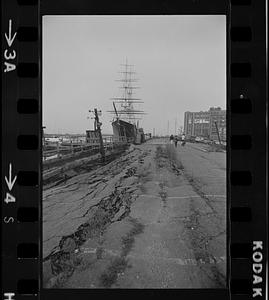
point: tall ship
(125, 123)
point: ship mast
(127, 112)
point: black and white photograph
(134, 156)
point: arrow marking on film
(10, 38)
(9, 181)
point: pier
(151, 216)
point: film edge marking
(257, 268)
(9, 296)
(12, 53)
(10, 183)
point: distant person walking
(175, 140)
(183, 139)
(171, 139)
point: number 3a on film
(9, 52)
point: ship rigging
(126, 117)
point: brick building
(217, 116)
(203, 123)
(196, 124)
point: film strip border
(20, 149)
(21, 174)
(248, 135)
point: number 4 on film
(10, 181)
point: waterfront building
(203, 124)
(217, 120)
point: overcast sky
(180, 63)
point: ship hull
(123, 129)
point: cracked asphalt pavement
(154, 217)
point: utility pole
(97, 128)
(218, 132)
(43, 135)
(43, 141)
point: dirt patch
(119, 264)
(197, 188)
(167, 157)
(163, 194)
(129, 238)
(216, 148)
(198, 238)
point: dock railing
(60, 150)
